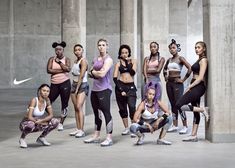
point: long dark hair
(126, 47)
(158, 53)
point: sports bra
(124, 69)
(147, 115)
(76, 71)
(196, 66)
(174, 66)
(36, 111)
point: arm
(132, 67)
(203, 66)
(188, 66)
(65, 67)
(50, 70)
(144, 72)
(101, 73)
(84, 67)
(138, 112)
(31, 107)
(165, 70)
(159, 67)
(115, 76)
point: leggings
(129, 99)
(174, 92)
(28, 126)
(62, 89)
(166, 123)
(193, 96)
(100, 100)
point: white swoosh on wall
(15, 82)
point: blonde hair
(102, 39)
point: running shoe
(60, 127)
(163, 142)
(106, 142)
(23, 143)
(125, 131)
(43, 141)
(74, 132)
(92, 140)
(184, 130)
(190, 139)
(140, 140)
(173, 129)
(80, 134)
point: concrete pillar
(129, 26)
(73, 24)
(155, 26)
(73, 29)
(218, 29)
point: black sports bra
(124, 69)
(196, 67)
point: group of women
(150, 115)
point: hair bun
(54, 45)
(62, 44)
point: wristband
(164, 116)
(141, 122)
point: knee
(55, 122)
(178, 105)
(29, 126)
(134, 128)
(123, 113)
(168, 122)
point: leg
(26, 127)
(53, 123)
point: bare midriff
(126, 78)
(174, 74)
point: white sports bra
(174, 66)
(147, 115)
(76, 71)
(36, 111)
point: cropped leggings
(62, 89)
(100, 101)
(28, 126)
(174, 92)
(193, 96)
(128, 100)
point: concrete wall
(27, 30)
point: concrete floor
(71, 152)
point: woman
(101, 91)
(195, 91)
(35, 119)
(125, 89)
(80, 89)
(151, 115)
(153, 65)
(59, 67)
(174, 83)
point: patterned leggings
(27, 126)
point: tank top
(36, 111)
(104, 83)
(76, 72)
(60, 77)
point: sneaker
(173, 129)
(92, 140)
(126, 131)
(23, 143)
(60, 127)
(43, 141)
(80, 134)
(107, 142)
(205, 113)
(163, 142)
(74, 132)
(140, 140)
(133, 135)
(184, 130)
(190, 139)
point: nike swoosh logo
(15, 82)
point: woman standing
(35, 119)
(174, 83)
(153, 65)
(195, 91)
(101, 72)
(125, 89)
(59, 67)
(80, 89)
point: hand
(150, 127)
(155, 125)
(123, 93)
(57, 60)
(178, 80)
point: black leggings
(193, 96)
(100, 100)
(174, 92)
(129, 99)
(62, 89)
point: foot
(133, 135)
(106, 142)
(92, 140)
(140, 140)
(184, 130)
(74, 132)
(43, 141)
(173, 129)
(190, 138)
(163, 142)
(125, 131)
(23, 143)
(60, 127)
(205, 113)
(80, 134)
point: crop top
(196, 66)
(147, 115)
(174, 66)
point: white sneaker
(74, 132)
(184, 130)
(133, 135)
(80, 134)
(173, 129)
(125, 131)
(43, 141)
(60, 127)
(190, 139)
(106, 142)
(92, 140)
(163, 142)
(23, 143)
(205, 113)
(140, 140)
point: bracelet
(141, 122)
(164, 116)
